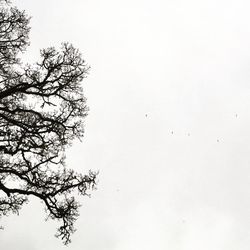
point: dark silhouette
(42, 108)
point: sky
(168, 127)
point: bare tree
(42, 109)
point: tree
(42, 109)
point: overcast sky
(168, 128)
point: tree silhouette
(42, 109)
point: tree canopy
(42, 109)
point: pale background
(178, 178)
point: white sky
(186, 64)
